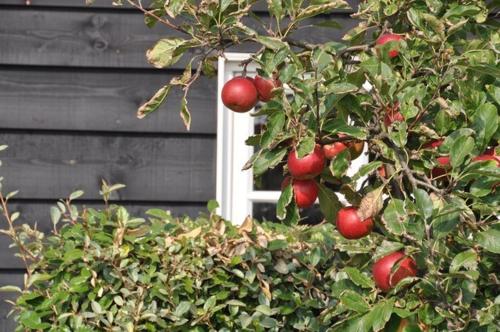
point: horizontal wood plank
(260, 6)
(97, 100)
(38, 212)
(50, 166)
(106, 39)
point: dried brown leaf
(371, 204)
(247, 225)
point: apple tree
(416, 81)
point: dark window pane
(267, 211)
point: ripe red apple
(392, 114)
(355, 148)
(307, 167)
(440, 171)
(390, 37)
(433, 144)
(265, 87)
(382, 275)
(305, 192)
(351, 226)
(239, 94)
(332, 150)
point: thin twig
(156, 17)
(13, 234)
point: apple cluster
(242, 93)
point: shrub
(106, 270)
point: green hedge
(109, 271)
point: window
(237, 194)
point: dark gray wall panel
(38, 212)
(47, 166)
(66, 38)
(260, 6)
(97, 100)
(103, 39)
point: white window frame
(234, 187)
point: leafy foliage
(437, 202)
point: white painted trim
(233, 184)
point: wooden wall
(71, 79)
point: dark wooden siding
(71, 78)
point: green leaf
(96, 307)
(461, 11)
(424, 203)
(306, 146)
(395, 217)
(461, 148)
(182, 308)
(329, 24)
(268, 159)
(284, 200)
(154, 103)
(272, 43)
(485, 69)
(32, 320)
(340, 164)
(489, 240)
(359, 278)
(485, 123)
(274, 126)
(10, 289)
(467, 259)
(354, 301)
(386, 248)
(55, 215)
(277, 245)
(174, 7)
(366, 169)
(323, 8)
(210, 303)
(340, 126)
(329, 203)
(341, 88)
(212, 205)
(72, 255)
(166, 52)
(275, 8)
(75, 195)
(185, 115)
(264, 309)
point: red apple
(351, 226)
(392, 114)
(390, 37)
(332, 150)
(265, 87)
(382, 269)
(440, 171)
(305, 192)
(307, 167)
(433, 144)
(239, 94)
